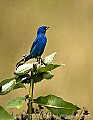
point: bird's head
(42, 29)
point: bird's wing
(34, 43)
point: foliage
(57, 105)
(16, 102)
(4, 115)
(32, 73)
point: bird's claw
(41, 61)
(34, 67)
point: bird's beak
(47, 28)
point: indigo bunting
(38, 46)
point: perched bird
(38, 46)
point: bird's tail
(28, 57)
(23, 60)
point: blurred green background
(70, 35)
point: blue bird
(38, 46)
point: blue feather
(39, 44)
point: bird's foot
(38, 59)
(34, 67)
(41, 61)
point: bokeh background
(70, 35)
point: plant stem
(80, 114)
(30, 104)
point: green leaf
(4, 115)
(23, 79)
(56, 105)
(47, 75)
(49, 59)
(39, 77)
(16, 102)
(7, 85)
(3, 82)
(49, 67)
(19, 85)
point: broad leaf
(4, 115)
(37, 77)
(16, 102)
(7, 85)
(47, 75)
(56, 105)
(49, 67)
(19, 85)
(43, 72)
(41, 76)
(23, 78)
